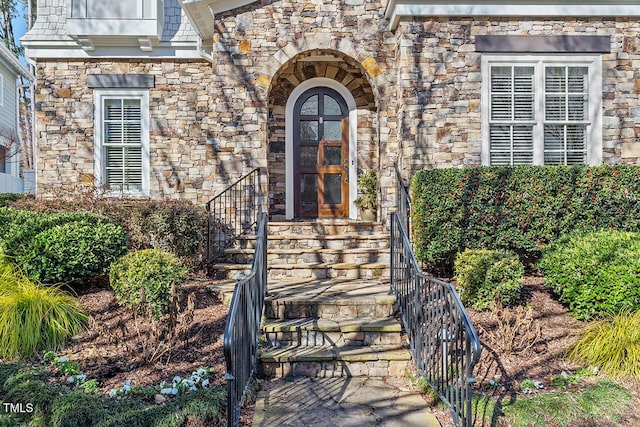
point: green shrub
(33, 318)
(595, 274)
(485, 277)
(16, 239)
(519, 209)
(6, 371)
(76, 409)
(73, 252)
(8, 199)
(176, 226)
(31, 386)
(10, 216)
(149, 271)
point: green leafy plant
(33, 317)
(8, 199)
(519, 209)
(195, 403)
(368, 183)
(73, 252)
(143, 279)
(487, 277)
(595, 274)
(176, 226)
(612, 345)
(76, 408)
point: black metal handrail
(243, 327)
(403, 200)
(443, 341)
(232, 213)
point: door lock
(345, 164)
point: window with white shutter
(122, 141)
(541, 110)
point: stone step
(330, 299)
(318, 241)
(315, 255)
(309, 270)
(326, 227)
(338, 333)
(328, 361)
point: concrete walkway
(341, 402)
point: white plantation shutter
(541, 110)
(566, 114)
(512, 106)
(123, 143)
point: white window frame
(1, 90)
(99, 157)
(594, 128)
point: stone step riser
(326, 310)
(310, 273)
(336, 339)
(329, 273)
(326, 229)
(336, 368)
(371, 256)
(314, 244)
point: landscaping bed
(528, 344)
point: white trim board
(398, 8)
(353, 141)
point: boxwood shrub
(485, 277)
(595, 274)
(73, 252)
(151, 271)
(519, 209)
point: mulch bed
(533, 345)
(110, 352)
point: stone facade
(417, 89)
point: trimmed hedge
(596, 274)
(60, 247)
(519, 209)
(74, 252)
(176, 226)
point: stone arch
(323, 42)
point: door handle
(345, 164)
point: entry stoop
(336, 248)
(332, 328)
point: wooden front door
(321, 155)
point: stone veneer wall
(440, 85)
(421, 95)
(183, 162)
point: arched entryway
(321, 151)
(308, 70)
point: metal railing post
(243, 326)
(435, 320)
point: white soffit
(201, 13)
(398, 8)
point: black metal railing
(243, 327)
(443, 341)
(403, 201)
(232, 213)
